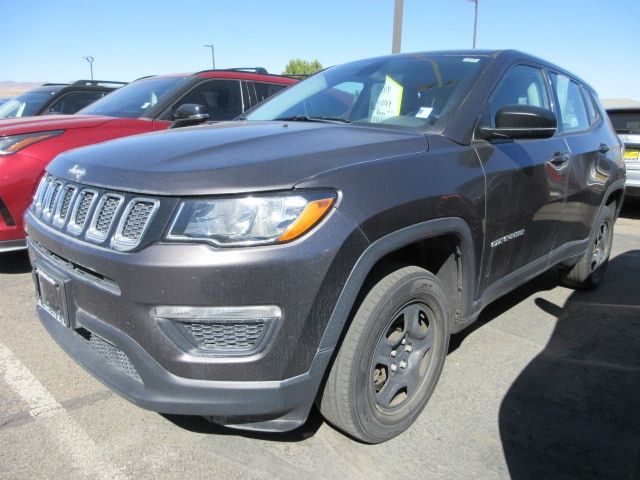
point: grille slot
(116, 357)
(66, 202)
(83, 208)
(40, 193)
(103, 217)
(226, 336)
(134, 222)
(137, 220)
(80, 211)
(63, 205)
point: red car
(28, 144)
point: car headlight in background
(13, 143)
(250, 220)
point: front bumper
(110, 295)
(265, 406)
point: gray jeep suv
(324, 247)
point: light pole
(213, 58)
(89, 59)
(475, 21)
(397, 26)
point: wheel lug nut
(393, 353)
(404, 341)
(408, 348)
(394, 367)
(403, 364)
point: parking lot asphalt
(546, 384)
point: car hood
(231, 157)
(16, 126)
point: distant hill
(9, 89)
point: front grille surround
(115, 220)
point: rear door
(525, 184)
(589, 142)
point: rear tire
(391, 357)
(589, 271)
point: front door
(526, 183)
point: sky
(45, 40)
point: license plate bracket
(51, 295)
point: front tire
(391, 357)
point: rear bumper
(632, 185)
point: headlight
(13, 143)
(252, 220)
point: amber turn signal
(310, 216)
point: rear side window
(265, 90)
(221, 99)
(522, 85)
(573, 111)
(73, 102)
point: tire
(589, 271)
(397, 341)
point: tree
(298, 66)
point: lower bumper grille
(226, 336)
(116, 357)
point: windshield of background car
(409, 91)
(24, 105)
(624, 122)
(133, 100)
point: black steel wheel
(391, 357)
(589, 271)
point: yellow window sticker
(388, 102)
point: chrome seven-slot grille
(97, 216)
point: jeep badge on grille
(77, 172)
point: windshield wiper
(307, 118)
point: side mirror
(189, 114)
(521, 121)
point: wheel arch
(458, 276)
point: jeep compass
(324, 248)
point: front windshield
(625, 122)
(410, 91)
(24, 105)
(131, 101)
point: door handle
(559, 159)
(603, 148)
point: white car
(626, 122)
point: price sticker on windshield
(389, 101)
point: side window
(573, 112)
(522, 85)
(265, 90)
(221, 98)
(72, 102)
(591, 107)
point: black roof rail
(53, 84)
(260, 70)
(97, 82)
